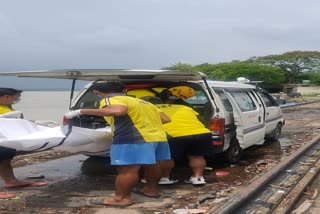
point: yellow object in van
(142, 92)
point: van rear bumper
(217, 144)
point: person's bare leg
(6, 173)
(152, 174)
(126, 179)
(166, 167)
(197, 164)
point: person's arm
(111, 110)
(164, 118)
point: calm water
(44, 105)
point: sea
(44, 105)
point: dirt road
(75, 180)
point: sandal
(140, 192)
(100, 201)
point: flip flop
(140, 192)
(5, 195)
(34, 184)
(100, 201)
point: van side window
(268, 100)
(226, 103)
(243, 100)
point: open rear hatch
(110, 74)
(124, 75)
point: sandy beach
(44, 105)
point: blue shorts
(139, 153)
(7, 153)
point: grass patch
(311, 95)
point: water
(44, 105)
(57, 169)
(53, 170)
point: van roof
(111, 74)
(222, 84)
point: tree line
(272, 70)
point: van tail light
(65, 121)
(216, 126)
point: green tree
(314, 77)
(180, 66)
(272, 77)
(292, 63)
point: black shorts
(194, 145)
(7, 153)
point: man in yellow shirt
(187, 136)
(138, 140)
(8, 97)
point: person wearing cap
(187, 135)
(139, 140)
(8, 97)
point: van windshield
(199, 98)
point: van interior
(199, 102)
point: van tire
(275, 135)
(234, 152)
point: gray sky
(150, 34)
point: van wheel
(276, 132)
(234, 152)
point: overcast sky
(150, 34)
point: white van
(238, 115)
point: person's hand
(12, 114)
(72, 114)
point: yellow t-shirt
(141, 124)
(184, 121)
(5, 109)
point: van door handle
(259, 119)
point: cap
(182, 92)
(9, 91)
(109, 87)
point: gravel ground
(302, 124)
